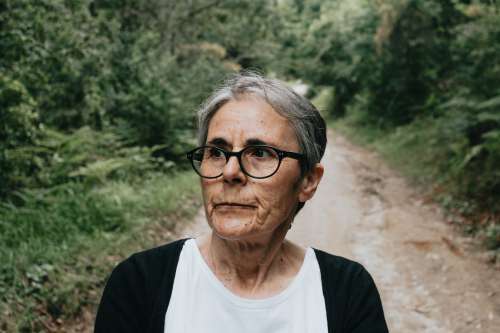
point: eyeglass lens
(255, 161)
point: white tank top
(201, 303)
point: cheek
(208, 190)
(275, 203)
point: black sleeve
(123, 304)
(364, 309)
(137, 293)
(352, 301)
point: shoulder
(147, 268)
(352, 299)
(130, 298)
(155, 258)
(338, 267)
(149, 264)
(347, 276)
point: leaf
(475, 151)
(99, 169)
(488, 116)
(495, 135)
(456, 103)
(489, 104)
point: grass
(405, 149)
(60, 245)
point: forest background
(97, 106)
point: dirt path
(430, 278)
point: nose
(232, 172)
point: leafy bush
(135, 69)
(18, 127)
(97, 107)
(471, 133)
(421, 74)
(93, 156)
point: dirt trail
(430, 278)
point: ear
(310, 183)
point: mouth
(233, 205)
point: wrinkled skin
(249, 217)
(238, 206)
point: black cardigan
(137, 294)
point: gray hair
(307, 122)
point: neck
(253, 267)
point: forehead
(249, 118)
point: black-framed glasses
(258, 161)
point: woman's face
(240, 207)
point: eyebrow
(221, 142)
(255, 142)
(218, 142)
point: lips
(233, 205)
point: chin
(231, 227)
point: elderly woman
(258, 162)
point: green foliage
(135, 69)
(69, 219)
(97, 107)
(34, 235)
(86, 155)
(332, 46)
(18, 116)
(94, 156)
(59, 63)
(249, 31)
(470, 133)
(420, 78)
(18, 127)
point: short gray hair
(307, 122)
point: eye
(260, 152)
(215, 153)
